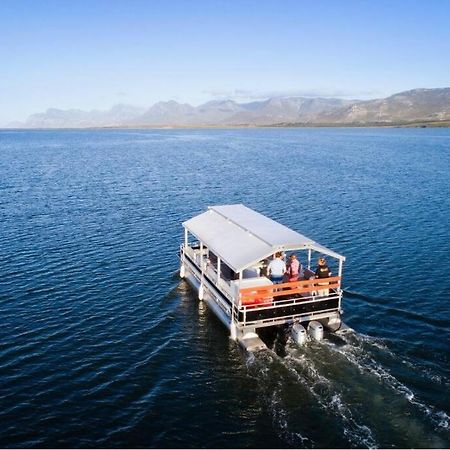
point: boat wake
(347, 383)
(356, 352)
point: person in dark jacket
(323, 271)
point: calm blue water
(101, 345)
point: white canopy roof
(241, 237)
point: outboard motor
(315, 330)
(298, 334)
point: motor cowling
(298, 334)
(315, 330)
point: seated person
(276, 269)
(294, 267)
(264, 269)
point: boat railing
(193, 252)
(224, 285)
(259, 294)
(306, 292)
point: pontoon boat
(224, 257)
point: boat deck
(258, 301)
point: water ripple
(101, 346)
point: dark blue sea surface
(102, 345)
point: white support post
(340, 282)
(233, 331)
(201, 287)
(239, 287)
(340, 274)
(234, 307)
(309, 259)
(182, 255)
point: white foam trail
(365, 363)
(327, 393)
(427, 373)
(329, 399)
(357, 433)
(360, 339)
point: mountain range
(409, 107)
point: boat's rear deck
(256, 301)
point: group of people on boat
(281, 272)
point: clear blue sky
(93, 54)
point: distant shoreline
(420, 124)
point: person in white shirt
(277, 269)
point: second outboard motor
(298, 334)
(315, 330)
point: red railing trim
(292, 284)
(265, 293)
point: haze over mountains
(409, 107)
